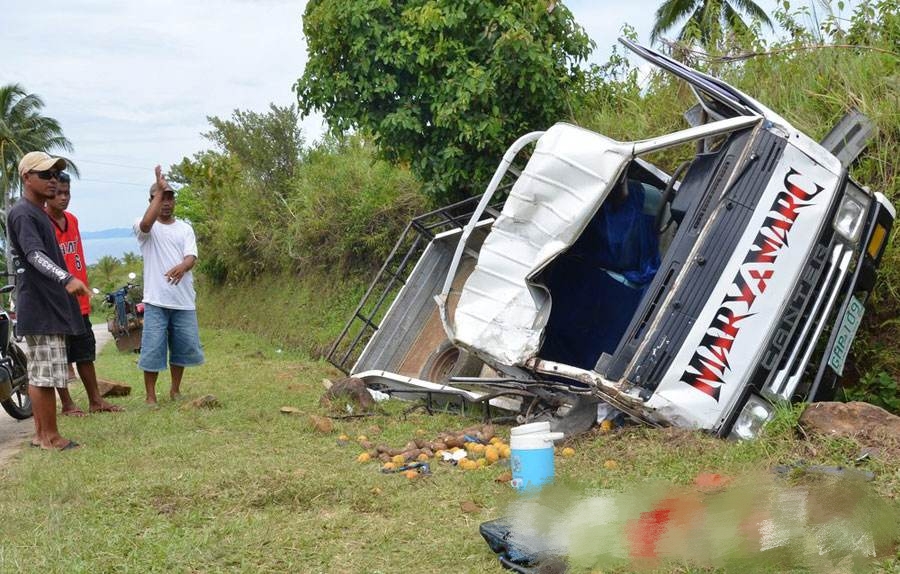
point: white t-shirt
(165, 246)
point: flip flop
(75, 413)
(71, 446)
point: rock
(321, 424)
(850, 420)
(204, 402)
(504, 477)
(290, 411)
(113, 389)
(348, 394)
(469, 507)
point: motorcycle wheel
(19, 404)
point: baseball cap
(154, 188)
(39, 161)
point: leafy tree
(708, 21)
(238, 195)
(876, 22)
(267, 146)
(212, 197)
(443, 85)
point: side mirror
(132, 276)
(96, 291)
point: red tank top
(70, 245)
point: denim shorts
(169, 330)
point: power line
(115, 182)
(142, 168)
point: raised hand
(161, 182)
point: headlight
(852, 213)
(756, 413)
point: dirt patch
(13, 433)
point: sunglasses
(47, 174)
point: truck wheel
(449, 361)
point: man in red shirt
(80, 349)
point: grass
(244, 488)
(272, 306)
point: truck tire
(449, 361)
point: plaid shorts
(47, 364)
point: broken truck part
(698, 299)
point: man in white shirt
(169, 249)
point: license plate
(845, 334)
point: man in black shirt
(46, 307)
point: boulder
(113, 389)
(854, 419)
(349, 392)
(321, 424)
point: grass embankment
(299, 312)
(244, 488)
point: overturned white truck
(697, 299)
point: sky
(132, 83)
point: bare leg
(177, 372)
(43, 405)
(150, 386)
(69, 408)
(38, 422)
(88, 375)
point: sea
(95, 248)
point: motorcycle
(126, 316)
(13, 368)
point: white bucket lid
(530, 428)
(535, 441)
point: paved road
(13, 433)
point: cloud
(133, 83)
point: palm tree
(23, 129)
(131, 259)
(106, 266)
(707, 20)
